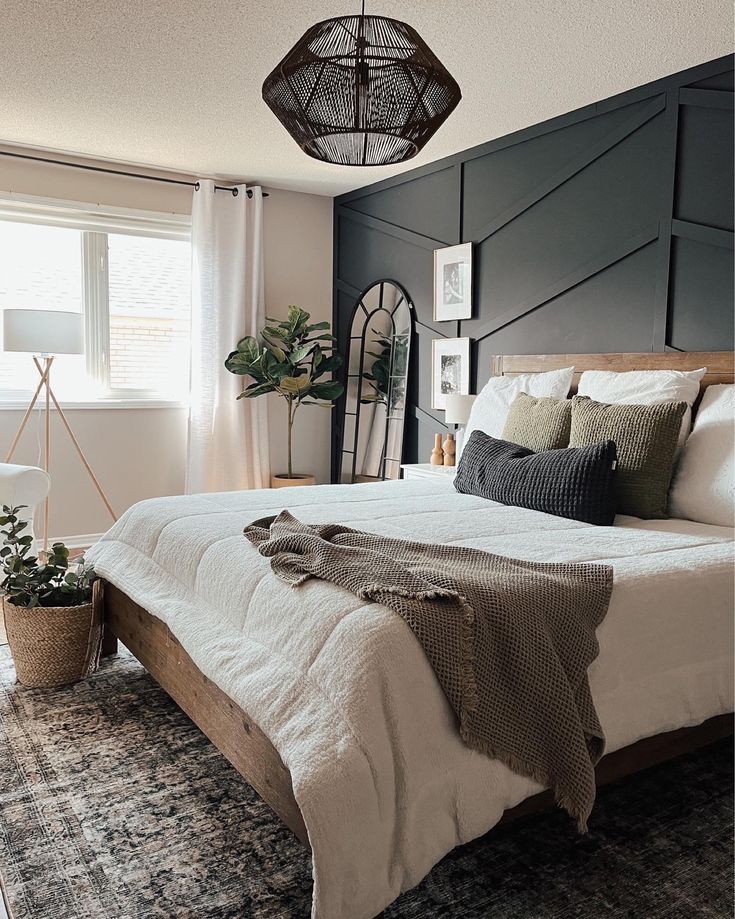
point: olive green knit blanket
(510, 641)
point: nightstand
(427, 471)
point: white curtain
(228, 439)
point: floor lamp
(44, 334)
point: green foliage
(378, 376)
(28, 582)
(290, 359)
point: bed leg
(109, 641)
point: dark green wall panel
(704, 192)
(722, 80)
(606, 229)
(365, 255)
(615, 197)
(572, 321)
(494, 183)
(430, 201)
(699, 274)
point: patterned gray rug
(112, 804)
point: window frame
(95, 223)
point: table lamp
(44, 334)
(457, 410)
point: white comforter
(343, 689)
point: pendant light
(361, 91)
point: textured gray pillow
(645, 437)
(577, 484)
(538, 423)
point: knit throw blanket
(510, 641)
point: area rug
(113, 804)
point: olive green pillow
(538, 423)
(645, 437)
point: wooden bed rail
(252, 754)
(230, 729)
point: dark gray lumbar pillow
(645, 437)
(538, 423)
(575, 483)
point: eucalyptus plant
(290, 359)
(28, 582)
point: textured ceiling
(176, 83)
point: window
(128, 274)
(149, 313)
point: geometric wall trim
(606, 229)
(571, 169)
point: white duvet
(343, 689)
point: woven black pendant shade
(361, 91)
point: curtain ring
(196, 186)
(235, 192)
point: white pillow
(490, 408)
(645, 387)
(703, 488)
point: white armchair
(23, 485)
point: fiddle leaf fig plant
(28, 582)
(389, 359)
(378, 377)
(290, 359)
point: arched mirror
(377, 375)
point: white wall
(135, 453)
(140, 453)
(298, 269)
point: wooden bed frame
(242, 742)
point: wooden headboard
(720, 364)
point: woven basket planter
(54, 645)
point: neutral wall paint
(135, 453)
(141, 453)
(298, 269)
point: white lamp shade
(43, 331)
(457, 408)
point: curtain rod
(120, 172)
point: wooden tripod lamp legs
(42, 381)
(47, 441)
(45, 381)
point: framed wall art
(450, 372)
(453, 283)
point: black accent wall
(606, 229)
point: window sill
(15, 405)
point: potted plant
(52, 608)
(291, 359)
(378, 376)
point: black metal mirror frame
(359, 304)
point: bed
(326, 704)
